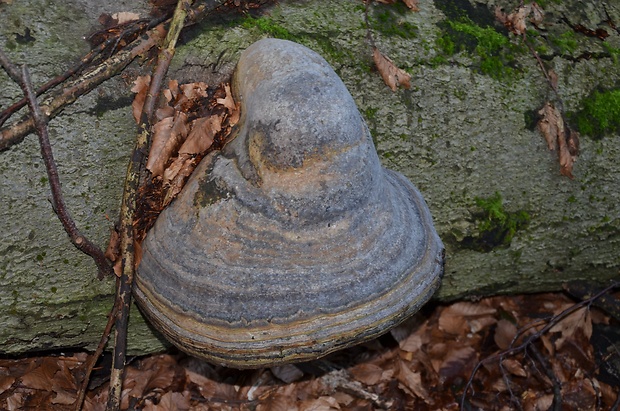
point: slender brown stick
(58, 203)
(93, 359)
(128, 206)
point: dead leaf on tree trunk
(140, 87)
(559, 136)
(412, 4)
(391, 74)
(516, 21)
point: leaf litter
(423, 364)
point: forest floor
(505, 353)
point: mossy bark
(462, 133)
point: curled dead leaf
(140, 87)
(391, 74)
(412, 4)
(559, 136)
(412, 381)
(168, 135)
(202, 135)
(516, 21)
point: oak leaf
(391, 74)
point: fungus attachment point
(293, 241)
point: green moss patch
(600, 114)
(496, 226)
(493, 49)
(389, 20)
(268, 26)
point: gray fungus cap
(293, 241)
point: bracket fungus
(292, 241)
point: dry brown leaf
(193, 91)
(172, 92)
(504, 334)
(568, 151)
(412, 381)
(125, 17)
(163, 112)
(413, 343)
(202, 135)
(412, 4)
(113, 250)
(550, 125)
(15, 402)
(458, 362)
(455, 318)
(42, 376)
(288, 373)
(538, 14)
(227, 101)
(140, 87)
(6, 381)
(277, 402)
(171, 401)
(320, 404)
(514, 367)
(391, 74)
(553, 78)
(578, 320)
(176, 174)
(168, 135)
(515, 21)
(230, 104)
(367, 373)
(558, 136)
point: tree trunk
(463, 133)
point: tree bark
(463, 134)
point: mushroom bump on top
(293, 241)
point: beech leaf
(140, 87)
(412, 4)
(391, 74)
(168, 135)
(560, 137)
(202, 135)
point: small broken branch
(80, 241)
(93, 359)
(58, 203)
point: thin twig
(93, 359)
(557, 385)
(58, 203)
(10, 68)
(128, 206)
